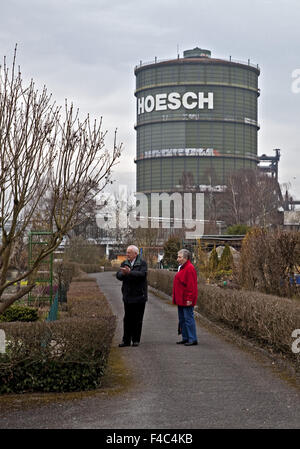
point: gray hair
(185, 253)
(134, 248)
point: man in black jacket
(133, 274)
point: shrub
(269, 319)
(213, 261)
(201, 259)
(171, 248)
(104, 262)
(82, 251)
(19, 313)
(161, 280)
(239, 229)
(268, 260)
(65, 271)
(65, 355)
(90, 267)
(95, 267)
(220, 275)
(226, 260)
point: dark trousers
(133, 321)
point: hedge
(19, 313)
(266, 318)
(65, 355)
(95, 268)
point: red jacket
(185, 285)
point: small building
(291, 220)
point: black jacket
(134, 287)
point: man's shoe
(135, 343)
(191, 343)
(181, 342)
(122, 345)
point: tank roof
(197, 53)
(196, 60)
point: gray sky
(86, 50)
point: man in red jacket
(185, 293)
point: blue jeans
(187, 323)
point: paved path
(212, 385)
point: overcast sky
(86, 51)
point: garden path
(212, 385)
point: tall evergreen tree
(226, 261)
(213, 262)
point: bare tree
(268, 261)
(251, 197)
(47, 155)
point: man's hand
(189, 303)
(125, 270)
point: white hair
(134, 248)
(185, 254)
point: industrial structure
(269, 164)
(196, 122)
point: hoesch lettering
(174, 100)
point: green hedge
(66, 355)
(19, 313)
